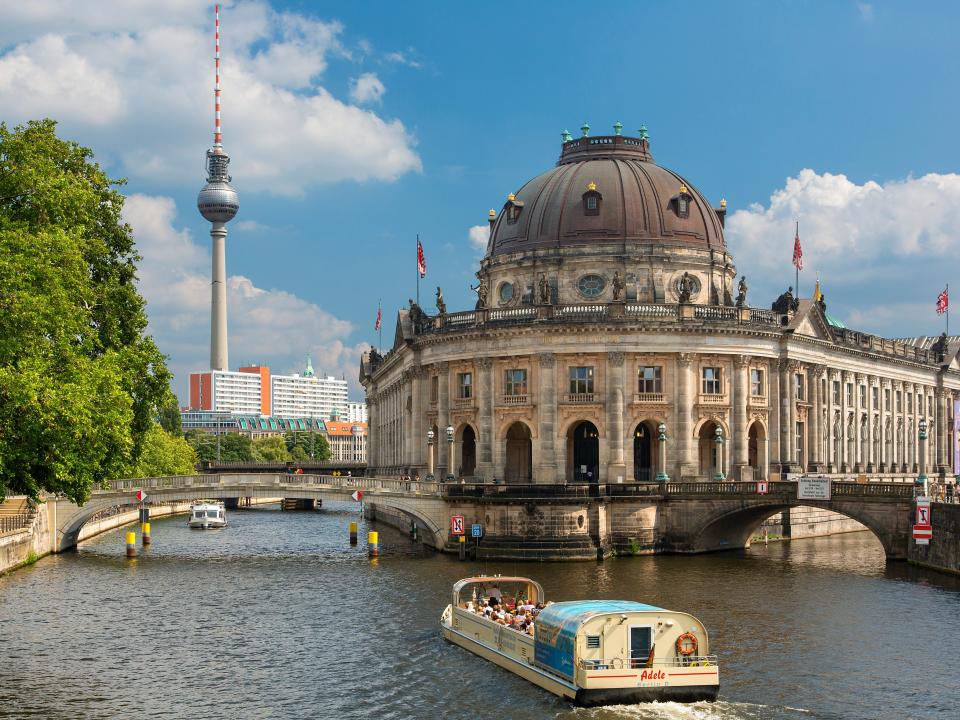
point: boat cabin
(475, 592)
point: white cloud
(866, 11)
(400, 58)
(478, 236)
(134, 81)
(883, 250)
(367, 89)
(249, 226)
(272, 327)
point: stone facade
(620, 321)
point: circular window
(506, 293)
(591, 285)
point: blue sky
(354, 126)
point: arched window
(512, 209)
(681, 202)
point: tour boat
(207, 515)
(593, 652)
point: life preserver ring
(687, 644)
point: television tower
(218, 203)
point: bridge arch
(729, 528)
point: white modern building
(226, 391)
(357, 412)
(307, 395)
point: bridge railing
(14, 523)
(273, 480)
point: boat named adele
(593, 652)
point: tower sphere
(218, 201)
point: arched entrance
(468, 452)
(583, 453)
(708, 449)
(756, 449)
(518, 467)
(643, 460)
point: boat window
(641, 643)
(211, 513)
(198, 514)
(593, 641)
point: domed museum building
(614, 341)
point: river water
(276, 616)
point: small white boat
(207, 515)
(592, 652)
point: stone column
(787, 421)
(686, 463)
(616, 468)
(546, 471)
(739, 429)
(442, 462)
(941, 425)
(416, 432)
(773, 420)
(858, 459)
(871, 460)
(486, 440)
(815, 444)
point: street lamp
(450, 477)
(662, 459)
(922, 477)
(718, 475)
(430, 437)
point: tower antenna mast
(218, 203)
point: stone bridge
(540, 521)
(416, 501)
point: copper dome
(635, 202)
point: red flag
(421, 261)
(797, 251)
(943, 302)
(377, 326)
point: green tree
(233, 446)
(79, 380)
(168, 415)
(303, 440)
(165, 454)
(270, 449)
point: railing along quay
(14, 523)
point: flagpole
(796, 266)
(948, 309)
(379, 329)
(418, 268)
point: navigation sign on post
(141, 496)
(476, 530)
(456, 524)
(813, 488)
(763, 487)
(922, 528)
(357, 495)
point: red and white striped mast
(218, 203)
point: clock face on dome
(591, 286)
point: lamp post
(430, 437)
(450, 476)
(922, 477)
(662, 458)
(718, 474)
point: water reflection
(278, 616)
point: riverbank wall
(38, 539)
(943, 552)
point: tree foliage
(79, 379)
(299, 445)
(233, 446)
(270, 449)
(165, 454)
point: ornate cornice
(485, 363)
(685, 359)
(615, 358)
(742, 361)
(546, 359)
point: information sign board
(141, 496)
(357, 495)
(476, 530)
(923, 512)
(813, 488)
(763, 487)
(456, 524)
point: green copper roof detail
(642, 133)
(618, 128)
(566, 136)
(833, 322)
(309, 371)
(585, 128)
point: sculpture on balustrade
(375, 358)
(618, 285)
(543, 290)
(786, 303)
(481, 290)
(418, 318)
(685, 288)
(939, 348)
(441, 305)
(742, 292)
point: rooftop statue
(481, 290)
(742, 292)
(786, 303)
(441, 305)
(685, 288)
(618, 285)
(544, 290)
